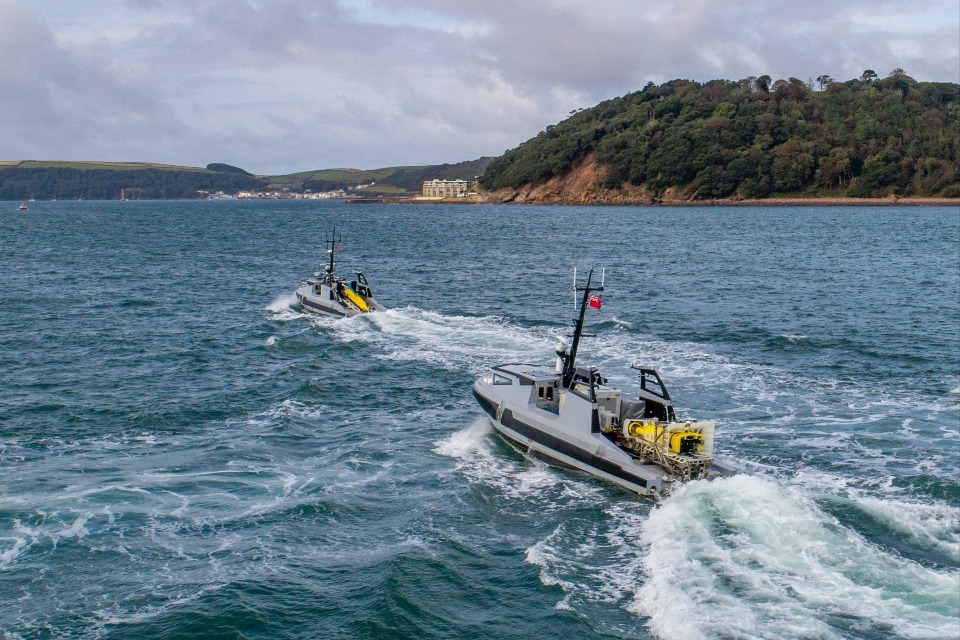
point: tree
(708, 139)
(823, 81)
(881, 169)
(869, 75)
(897, 73)
(226, 168)
(792, 166)
(834, 167)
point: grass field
(351, 176)
(387, 190)
(89, 164)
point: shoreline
(600, 201)
(631, 202)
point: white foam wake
(746, 555)
(461, 444)
(282, 307)
(480, 460)
(455, 343)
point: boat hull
(322, 304)
(542, 444)
(317, 305)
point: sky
(279, 86)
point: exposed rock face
(582, 185)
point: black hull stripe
(318, 307)
(557, 444)
(486, 405)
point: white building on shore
(444, 188)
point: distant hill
(91, 165)
(89, 180)
(751, 138)
(47, 180)
(403, 180)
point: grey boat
(330, 295)
(569, 415)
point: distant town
(95, 180)
(435, 189)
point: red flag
(594, 302)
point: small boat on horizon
(329, 295)
(22, 207)
(570, 416)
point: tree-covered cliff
(755, 138)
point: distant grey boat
(329, 295)
(569, 416)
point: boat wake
(490, 462)
(283, 308)
(795, 553)
(778, 408)
(454, 343)
(747, 552)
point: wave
(749, 557)
(456, 343)
(788, 412)
(928, 532)
(746, 552)
(492, 463)
(283, 307)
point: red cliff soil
(581, 186)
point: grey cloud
(55, 100)
(286, 85)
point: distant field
(387, 190)
(352, 176)
(89, 164)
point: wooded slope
(753, 139)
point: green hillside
(404, 180)
(756, 138)
(411, 178)
(47, 180)
(88, 165)
(340, 176)
(90, 180)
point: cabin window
(499, 379)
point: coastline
(663, 202)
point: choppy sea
(184, 453)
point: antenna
(570, 361)
(574, 288)
(332, 249)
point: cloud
(288, 85)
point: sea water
(185, 453)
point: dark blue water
(183, 453)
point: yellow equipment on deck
(684, 449)
(355, 299)
(660, 434)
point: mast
(332, 244)
(570, 360)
